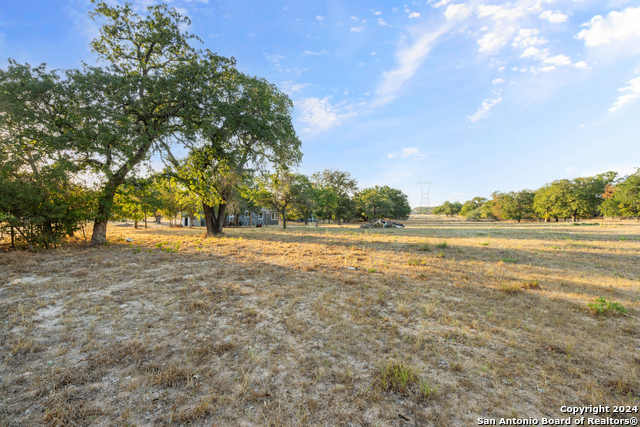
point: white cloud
(457, 11)
(357, 29)
(274, 58)
(414, 15)
(528, 37)
(319, 115)
(355, 18)
(409, 60)
(320, 18)
(633, 87)
(558, 60)
(290, 87)
(483, 111)
(407, 152)
(581, 65)
(309, 52)
(534, 52)
(554, 17)
(377, 13)
(497, 81)
(441, 3)
(381, 22)
(495, 39)
(497, 12)
(617, 26)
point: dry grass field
(439, 323)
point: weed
(604, 307)
(424, 247)
(440, 255)
(371, 270)
(485, 243)
(396, 376)
(442, 245)
(427, 392)
(514, 260)
(531, 284)
(417, 261)
(510, 288)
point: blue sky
(476, 96)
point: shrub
(604, 307)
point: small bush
(424, 247)
(442, 245)
(510, 288)
(604, 307)
(396, 376)
(532, 284)
(427, 392)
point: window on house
(274, 216)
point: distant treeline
(605, 194)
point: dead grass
(272, 327)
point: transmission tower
(425, 186)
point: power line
(425, 187)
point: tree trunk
(339, 222)
(306, 221)
(135, 223)
(214, 220)
(99, 235)
(284, 219)
(145, 220)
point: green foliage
(44, 207)
(425, 247)
(137, 199)
(448, 209)
(281, 191)
(396, 376)
(513, 205)
(442, 245)
(334, 194)
(378, 202)
(623, 198)
(578, 198)
(471, 209)
(604, 307)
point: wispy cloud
(406, 153)
(483, 111)
(633, 89)
(409, 59)
(357, 29)
(320, 115)
(274, 58)
(309, 52)
(554, 17)
(291, 87)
